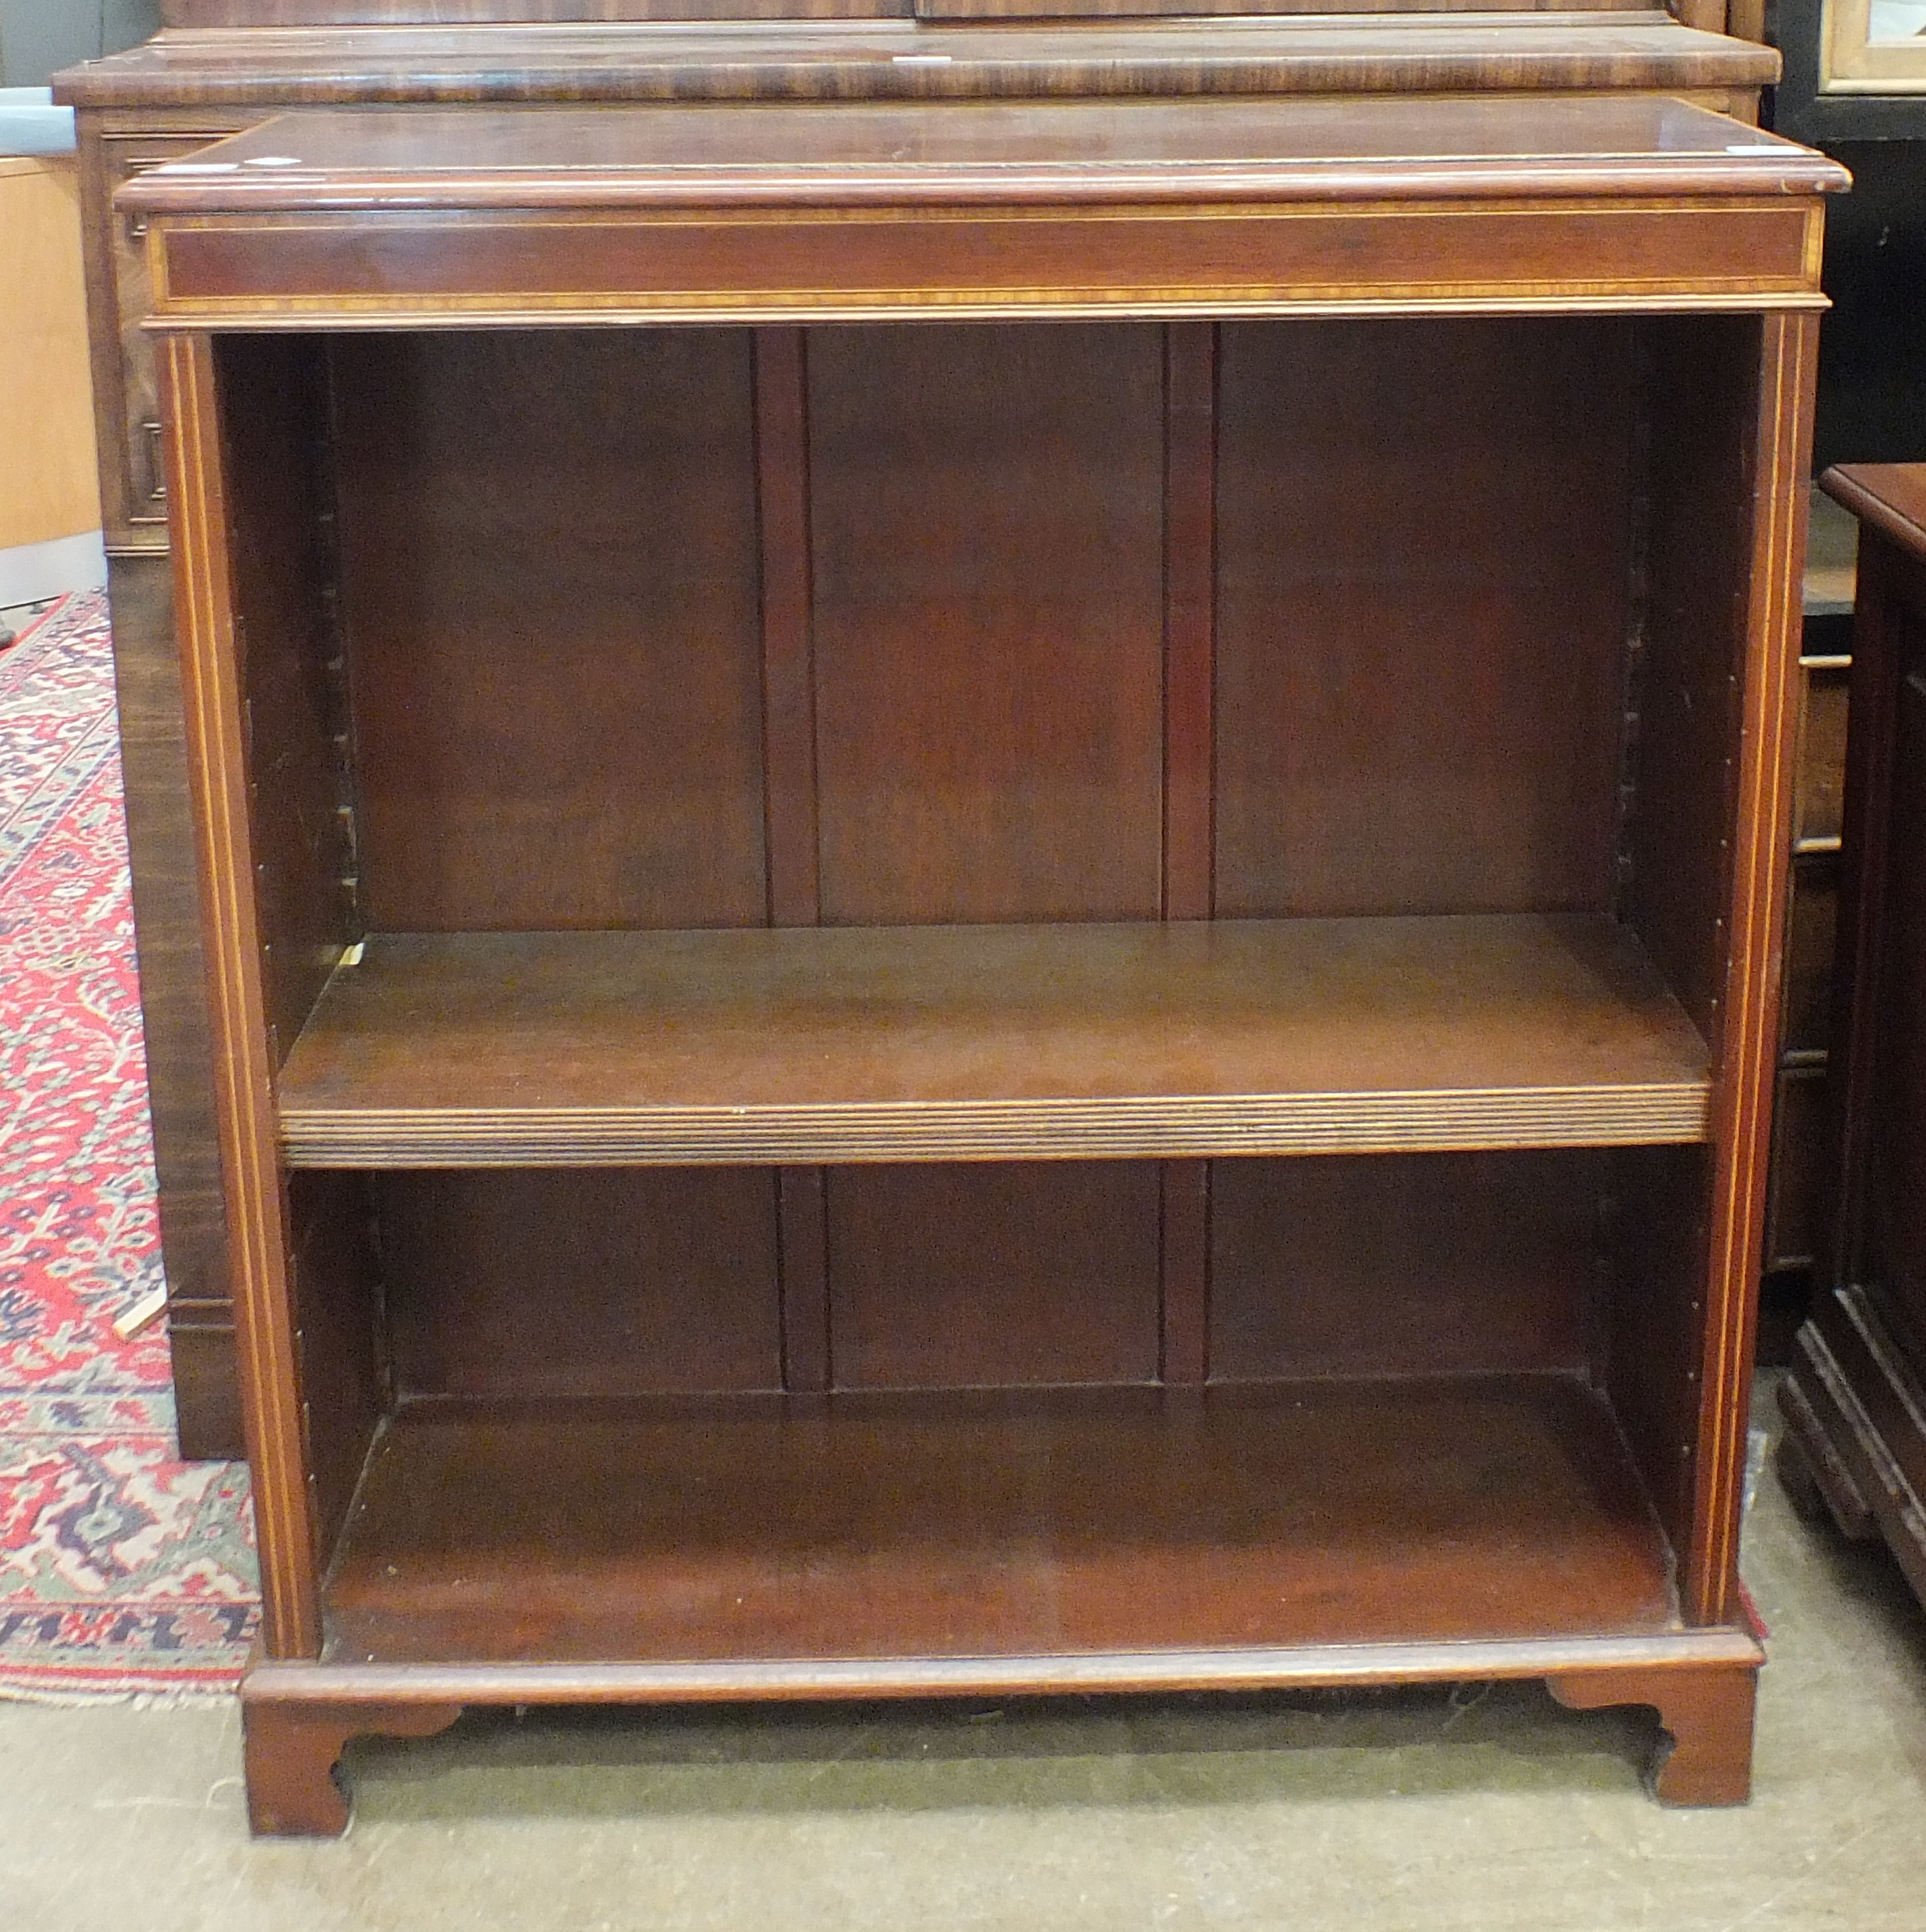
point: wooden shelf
(1087, 1042)
(893, 1529)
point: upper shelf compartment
(1310, 1036)
(377, 217)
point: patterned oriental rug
(120, 1569)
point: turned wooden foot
(292, 1750)
(1706, 1756)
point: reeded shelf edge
(1133, 1041)
(1070, 1129)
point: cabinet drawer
(1822, 759)
(1812, 924)
(1796, 1215)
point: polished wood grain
(1072, 210)
(1741, 1104)
(790, 833)
(1708, 1715)
(203, 13)
(1185, 1308)
(808, 1364)
(290, 1751)
(988, 1274)
(165, 99)
(1533, 53)
(1125, 152)
(933, 1135)
(1361, 1666)
(936, 1042)
(988, 516)
(334, 1277)
(173, 983)
(1653, 1322)
(259, 1241)
(1112, 9)
(297, 1717)
(127, 406)
(517, 577)
(1392, 1265)
(1889, 498)
(273, 401)
(1856, 1401)
(1001, 1525)
(133, 474)
(1701, 381)
(1423, 566)
(258, 14)
(1190, 577)
(338, 272)
(621, 1282)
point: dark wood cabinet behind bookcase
(221, 65)
(1858, 1390)
(1027, 947)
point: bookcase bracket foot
(293, 1752)
(1704, 1751)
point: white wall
(38, 36)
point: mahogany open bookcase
(993, 891)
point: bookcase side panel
(1762, 751)
(343, 1342)
(218, 759)
(273, 434)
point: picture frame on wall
(1855, 70)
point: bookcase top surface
(906, 59)
(981, 152)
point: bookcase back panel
(1422, 573)
(988, 534)
(549, 572)
(994, 1276)
(558, 1283)
(1405, 1264)
(604, 1283)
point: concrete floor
(1493, 1811)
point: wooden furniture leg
(1706, 1756)
(292, 1750)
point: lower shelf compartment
(1050, 1524)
